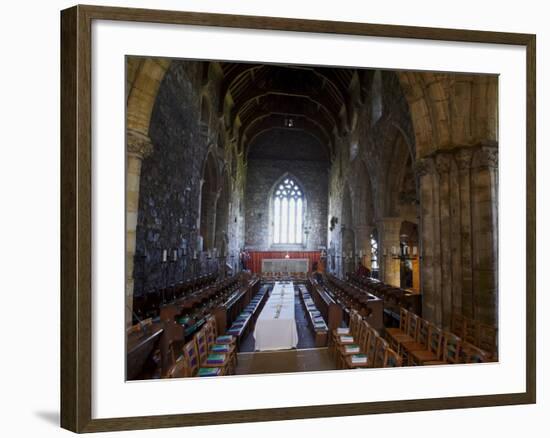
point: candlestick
(164, 255)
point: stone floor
(285, 361)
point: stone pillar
(138, 147)
(388, 235)
(485, 234)
(463, 159)
(458, 230)
(443, 167)
(362, 242)
(430, 279)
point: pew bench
(247, 318)
(314, 317)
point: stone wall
(374, 163)
(261, 177)
(171, 178)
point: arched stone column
(485, 233)
(388, 236)
(459, 241)
(362, 242)
(138, 147)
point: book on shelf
(352, 348)
(342, 330)
(359, 358)
(209, 372)
(215, 358)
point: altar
(273, 266)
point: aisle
(306, 338)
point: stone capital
(463, 158)
(424, 166)
(390, 225)
(487, 156)
(138, 144)
(443, 162)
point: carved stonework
(443, 162)
(463, 158)
(424, 166)
(487, 156)
(138, 144)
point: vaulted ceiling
(259, 98)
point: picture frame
(76, 217)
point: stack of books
(353, 348)
(215, 359)
(224, 339)
(345, 339)
(359, 359)
(320, 325)
(342, 330)
(209, 372)
(221, 348)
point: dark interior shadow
(51, 417)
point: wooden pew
(315, 319)
(332, 312)
(141, 342)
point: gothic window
(374, 254)
(288, 212)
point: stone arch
(234, 164)
(363, 210)
(441, 106)
(142, 93)
(205, 116)
(348, 232)
(401, 165)
(222, 213)
(209, 196)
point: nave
(369, 196)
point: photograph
(295, 218)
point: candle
(175, 255)
(164, 255)
(414, 250)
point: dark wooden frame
(76, 174)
